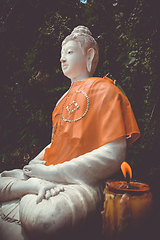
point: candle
(127, 206)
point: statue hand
(44, 189)
(46, 192)
(37, 161)
(15, 173)
(35, 170)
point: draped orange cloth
(94, 112)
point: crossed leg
(10, 229)
(70, 213)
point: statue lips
(64, 66)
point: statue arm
(11, 188)
(90, 168)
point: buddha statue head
(80, 50)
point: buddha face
(74, 61)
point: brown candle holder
(127, 206)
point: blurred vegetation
(31, 80)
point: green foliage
(31, 79)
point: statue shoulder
(106, 86)
(103, 83)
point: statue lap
(71, 212)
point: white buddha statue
(60, 192)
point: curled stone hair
(82, 35)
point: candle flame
(125, 167)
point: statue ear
(90, 56)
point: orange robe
(94, 112)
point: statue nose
(62, 59)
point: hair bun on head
(81, 29)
